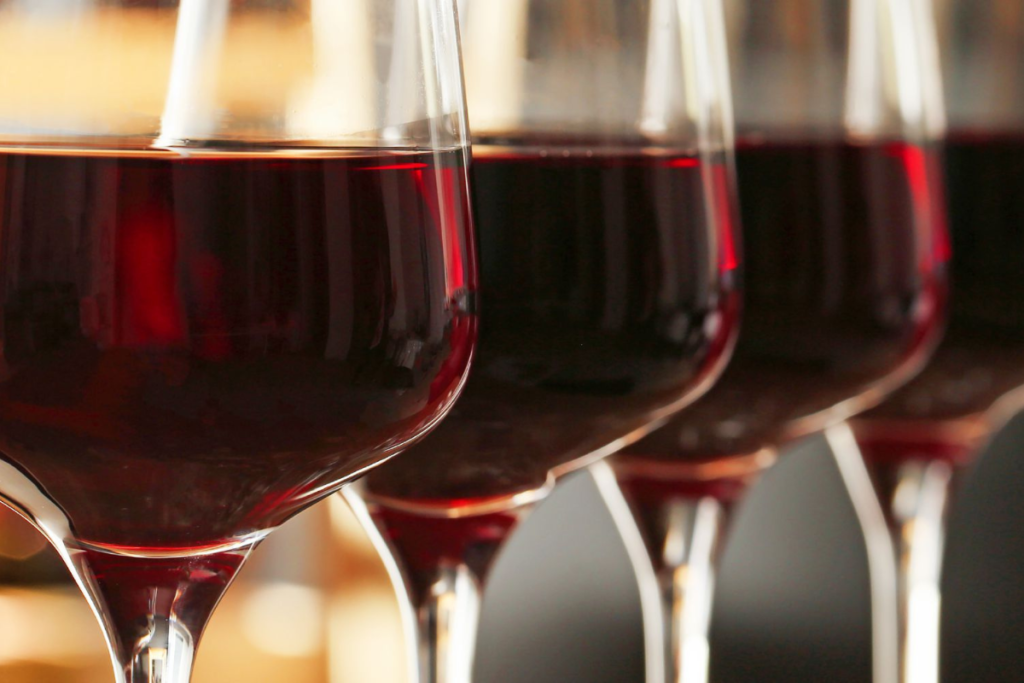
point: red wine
(196, 347)
(941, 413)
(607, 297)
(844, 251)
(429, 542)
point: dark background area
(792, 598)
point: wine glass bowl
(607, 255)
(844, 230)
(236, 272)
(972, 384)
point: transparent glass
(604, 198)
(917, 445)
(838, 115)
(236, 272)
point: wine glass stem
(439, 566)
(674, 544)
(902, 508)
(917, 514)
(685, 572)
(166, 656)
(446, 620)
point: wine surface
(844, 290)
(606, 284)
(981, 358)
(195, 347)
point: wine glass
(236, 272)
(920, 441)
(603, 196)
(838, 110)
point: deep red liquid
(195, 348)
(607, 296)
(981, 358)
(428, 543)
(844, 287)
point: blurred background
(314, 604)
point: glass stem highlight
(674, 543)
(447, 616)
(916, 510)
(902, 505)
